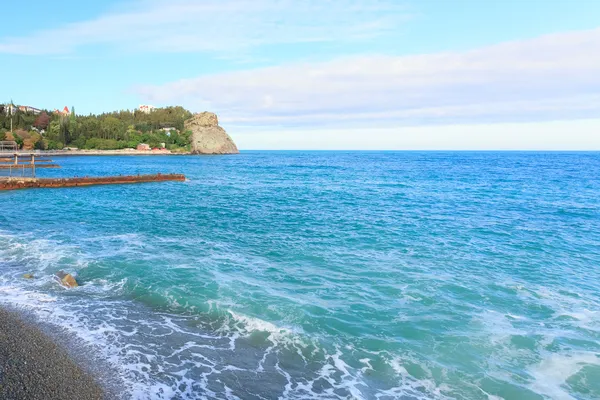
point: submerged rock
(28, 276)
(208, 137)
(67, 280)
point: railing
(23, 165)
(8, 146)
(15, 171)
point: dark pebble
(33, 367)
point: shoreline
(33, 364)
(103, 153)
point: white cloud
(549, 135)
(550, 77)
(546, 78)
(219, 26)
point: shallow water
(367, 275)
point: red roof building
(64, 112)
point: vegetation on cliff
(109, 131)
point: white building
(9, 109)
(29, 109)
(146, 108)
(12, 109)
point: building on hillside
(12, 109)
(29, 109)
(8, 109)
(147, 109)
(65, 112)
(143, 147)
(168, 130)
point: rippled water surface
(358, 275)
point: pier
(23, 165)
(18, 171)
(32, 183)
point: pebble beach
(34, 367)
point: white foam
(110, 343)
(151, 371)
(40, 255)
(498, 328)
(423, 388)
(554, 370)
(367, 366)
(20, 296)
(138, 365)
(246, 325)
(395, 363)
(549, 376)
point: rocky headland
(207, 136)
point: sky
(323, 74)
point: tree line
(108, 131)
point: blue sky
(319, 74)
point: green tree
(113, 130)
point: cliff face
(208, 137)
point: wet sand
(33, 367)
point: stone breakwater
(31, 183)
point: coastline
(33, 366)
(123, 152)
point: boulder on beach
(67, 280)
(207, 136)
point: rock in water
(67, 280)
(208, 137)
(28, 276)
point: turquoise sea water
(352, 275)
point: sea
(320, 275)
